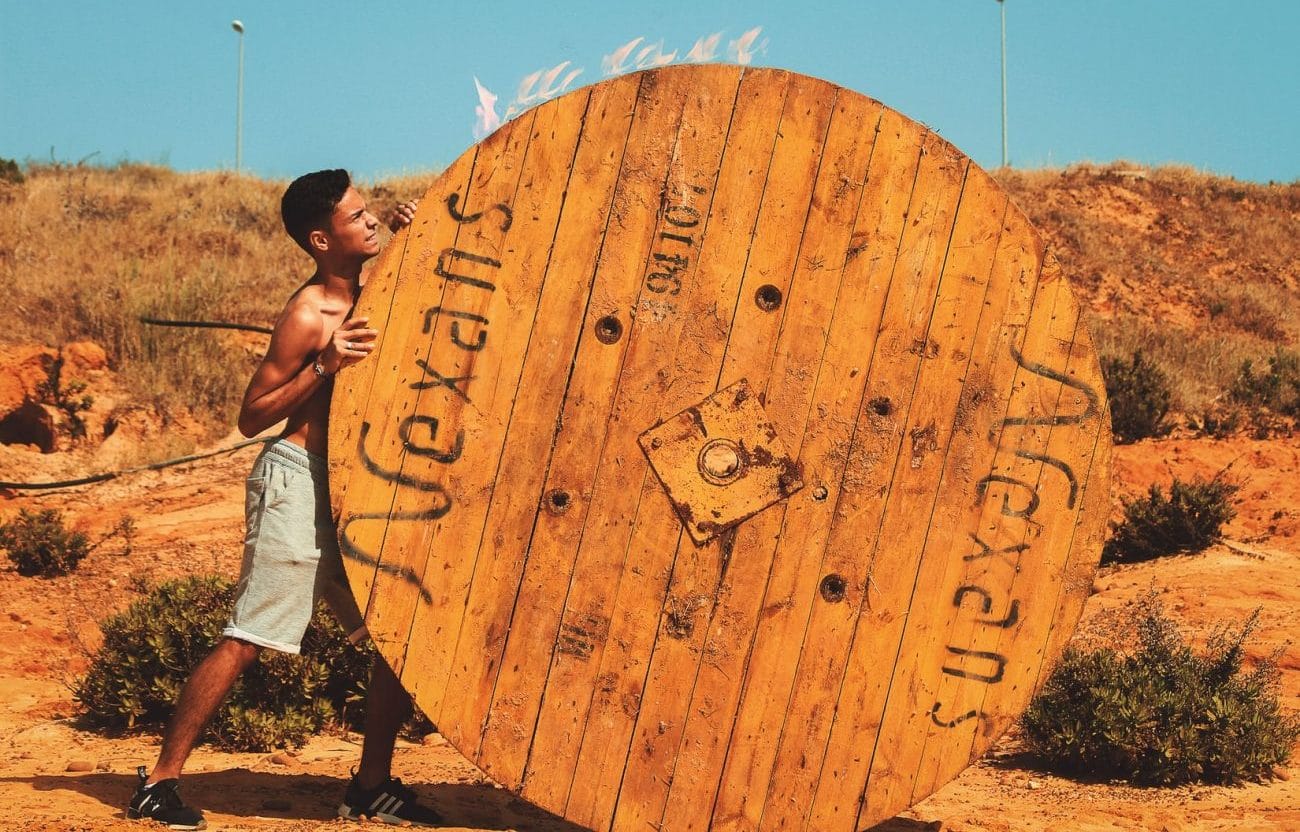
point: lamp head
(238, 26)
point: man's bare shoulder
(308, 309)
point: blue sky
(389, 88)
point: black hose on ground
(153, 466)
(265, 330)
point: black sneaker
(161, 802)
(389, 802)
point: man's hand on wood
(403, 214)
(351, 342)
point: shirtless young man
(291, 556)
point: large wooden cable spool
(732, 456)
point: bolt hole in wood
(882, 406)
(833, 588)
(819, 493)
(609, 329)
(558, 501)
(768, 297)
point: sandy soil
(56, 777)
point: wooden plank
(938, 461)
(552, 539)
(878, 477)
(1066, 467)
(556, 726)
(447, 408)
(367, 412)
(711, 714)
(786, 380)
(984, 406)
(740, 193)
(894, 754)
(1085, 545)
(525, 457)
(773, 632)
(456, 554)
(668, 368)
(352, 384)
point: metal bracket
(720, 462)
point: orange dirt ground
(56, 777)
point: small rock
(277, 805)
(103, 765)
(85, 355)
(1034, 784)
(280, 758)
(80, 765)
(1280, 773)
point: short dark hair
(309, 202)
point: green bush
(66, 397)
(40, 545)
(9, 171)
(1139, 397)
(1277, 388)
(1188, 520)
(1162, 714)
(150, 649)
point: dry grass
(88, 250)
(1199, 272)
(1201, 365)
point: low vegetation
(1139, 397)
(1160, 713)
(150, 648)
(1275, 386)
(68, 396)
(40, 545)
(1189, 519)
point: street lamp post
(238, 26)
(1002, 6)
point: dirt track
(189, 519)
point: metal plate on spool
(720, 462)
(617, 256)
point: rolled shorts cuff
(242, 635)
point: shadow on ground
(243, 793)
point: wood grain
(612, 259)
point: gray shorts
(291, 553)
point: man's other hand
(352, 342)
(402, 215)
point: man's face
(353, 229)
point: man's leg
(373, 792)
(200, 698)
(388, 706)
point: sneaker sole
(348, 813)
(180, 827)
